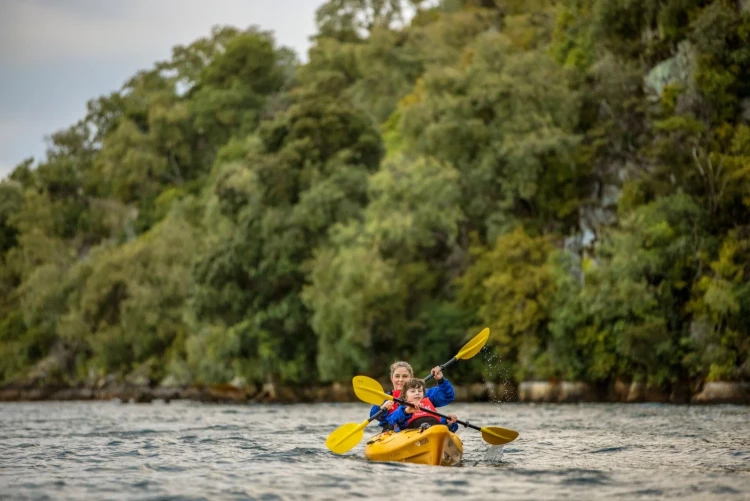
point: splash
(496, 372)
(494, 454)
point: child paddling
(401, 373)
(407, 417)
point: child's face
(414, 395)
(400, 376)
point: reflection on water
(187, 450)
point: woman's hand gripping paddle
(469, 350)
(370, 391)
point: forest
(573, 174)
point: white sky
(55, 55)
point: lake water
(187, 450)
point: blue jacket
(440, 395)
(399, 419)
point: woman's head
(413, 390)
(401, 372)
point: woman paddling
(401, 373)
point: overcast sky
(57, 54)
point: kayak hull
(435, 446)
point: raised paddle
(370, 391)
(469, 350)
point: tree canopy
(574, 174)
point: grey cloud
(56, 55)
(42, 32)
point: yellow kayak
(435, 445)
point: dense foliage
(574, 174)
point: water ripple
(610, 449)
(187, 450)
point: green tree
(510, 286)
(359, 310)
(720, 348)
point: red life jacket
(420, 414)
(396, 394)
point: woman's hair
(413, 383)
(401, 363)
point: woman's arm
(442, 394)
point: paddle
(469, 350)
(370, 391)
(348, 435)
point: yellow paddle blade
(497, 436)
(345, 437)
(472, 347)
(369, 390)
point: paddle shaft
(465, 423)
(469, 350)
(376, 415)
(446, 364)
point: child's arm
(442, 394)
(451, 424)
(398, 418)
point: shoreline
(709, 393)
